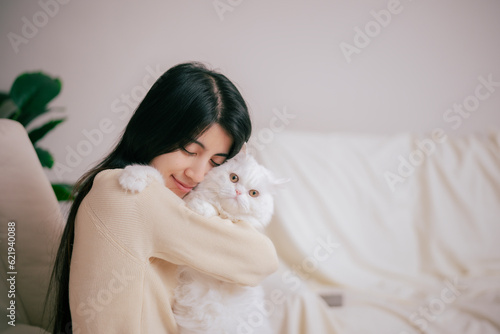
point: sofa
(28, 201)
(398, 233)
(391, 233)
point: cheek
(169, 162)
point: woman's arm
(233, 252)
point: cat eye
(234, 178)
(253, 193)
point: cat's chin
(232, 206)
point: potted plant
(27, 100)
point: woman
(115, 267)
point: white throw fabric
(420, 255)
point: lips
(183, 187)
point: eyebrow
(203, 147)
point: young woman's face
(183, 169)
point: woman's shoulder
(108, 175)
(108, 198)
(106, 181)
(131, 182)
(105, 188)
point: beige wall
(285, 56)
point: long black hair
(183, 103)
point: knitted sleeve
(230, 251)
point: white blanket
(406, 227)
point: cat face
(242, 188)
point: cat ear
(244, 152)
(281, 182)
(277, 183)
(244, 148)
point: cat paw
(208, 210)
(202, 207)
(137, 177)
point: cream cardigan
(128, 245)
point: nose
(197, 172)
(238, 192)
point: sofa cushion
(27, 199)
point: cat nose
(238, 192)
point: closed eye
(190, 153)
(214, 164)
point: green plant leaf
(3, 96)
(15, 115)
(45, 157)
(31, 92)
(63, 191)
(7, 108)
(38, 133)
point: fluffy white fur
(204, 304)
(136, 177)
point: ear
(277, 183)
(244, 148)
(243, 153)
(281, 182)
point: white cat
(239, 189)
